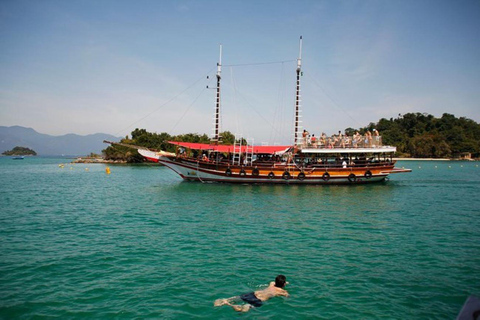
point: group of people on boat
(357, 140)
(336, 160)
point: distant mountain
(46, 145)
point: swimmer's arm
(283, 293)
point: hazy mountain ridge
(44, 144)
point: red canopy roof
(229, 148)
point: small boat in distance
(18, 157)
(338, 159)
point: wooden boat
(330, 160)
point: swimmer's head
(280, 281)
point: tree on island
(156, 141)
(20, 151)
(424, 136)
(414, 134)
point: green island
(416, 135)
(20, 151)
(156, 141)
(421, 135)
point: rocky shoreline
(97, 160)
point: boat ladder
(237, 151)
(249, 152)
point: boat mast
(297, 95)
(216, 136)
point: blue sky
(111, 66)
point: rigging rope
(276, 132)
(166, 103)
(279, 111)
(234, 84)
(333, 101)
(281, 134)
(256, 64)
(188, 109)
(189, 87)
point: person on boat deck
(181, 151)
(356, 139)
(255, 299)
(313, 140)
(332, 141)
(323, 140)
(346, 142)
(376, 140)
(369, 139)
(305, 135)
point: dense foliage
(155, 141)
(20, 151)
(424, 136)
(414, 134)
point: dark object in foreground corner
(470, 310)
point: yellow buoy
(107, 170)
(86, 169)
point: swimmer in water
(255, 299)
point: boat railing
(345, 142)
(304, 163)
(357, 163)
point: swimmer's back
(270, 292)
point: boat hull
(205, 172)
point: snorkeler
(255, 299)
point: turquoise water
(140, 243)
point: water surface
(140, 243)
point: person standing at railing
(356, 139)
(346, 142)
(331, 142)
(376, 140)
(368, 139)
(323, 140)
(305, 137)
(340, 140)
(313, 140)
